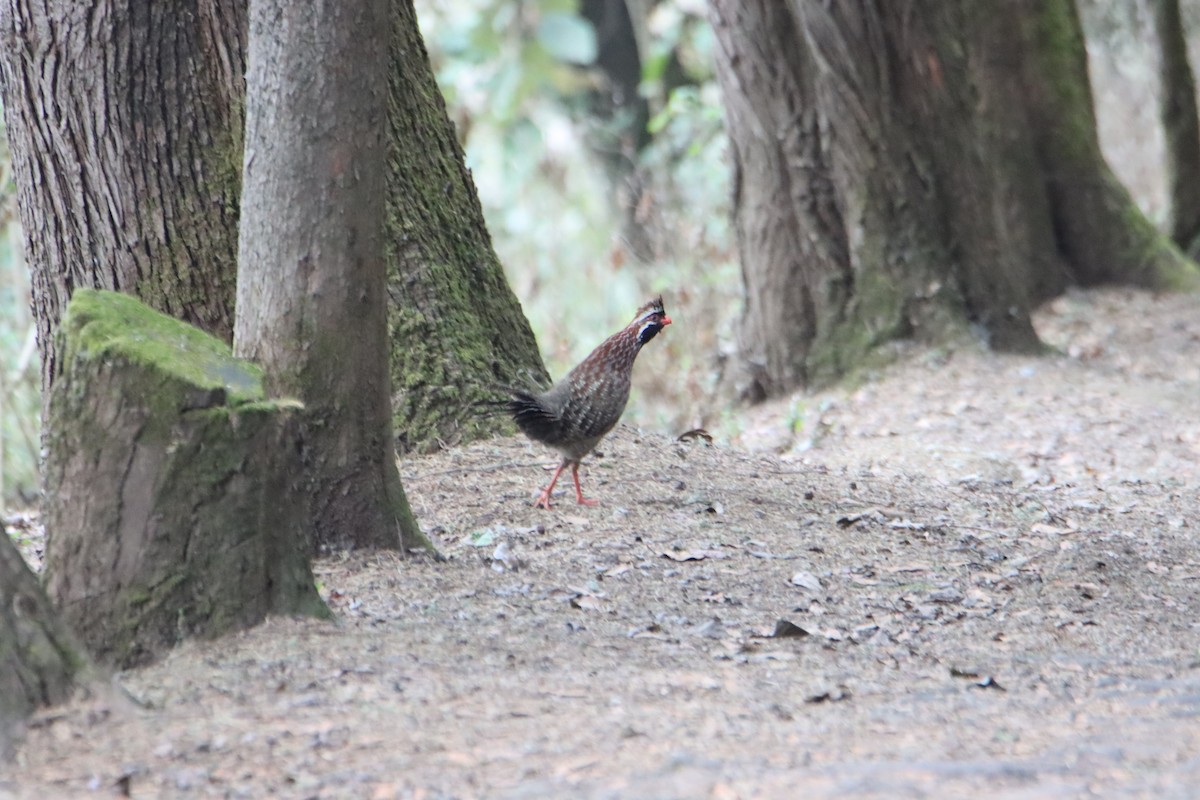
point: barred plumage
(576, 413)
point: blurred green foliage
(20, 397)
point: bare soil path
(971, 575)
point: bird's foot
(586, 501)
(543, 501)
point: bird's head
(651, 318)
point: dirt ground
(969, 575)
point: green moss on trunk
(40, 661)
(1101, 233)
(173, 505)
(456, 329)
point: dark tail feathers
(533, 418)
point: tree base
(173, 507)
(39, 659)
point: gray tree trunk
(1098, 230)
(457, 330)
(125, 124)
(1181, 124)
(172, 506)
(906, 170)
(311, 305)
(621, 114)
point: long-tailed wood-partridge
(576, 413)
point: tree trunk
(40, 661)
(904, 170)
(457, 330)
(1098, 229)
(619, 59)
(621, 114)
(311, 284)
(130, 180)
(193, 524)
(1181, 126)
(125, 124)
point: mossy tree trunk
(905, 170)
(456, 328)
(1181, 125)
(125, 125)
(40, 661)
(130, 180)
(1099, 232)
(173, 505)
(311, 306)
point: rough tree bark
(195, 523)
(905, 169)
(311, 305)
(457, 330)
(125, 123)
(1181, 126)
(130, 180)
(40, 661)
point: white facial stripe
(654, 312)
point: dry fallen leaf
(589, 602)
(978, 680)
(807, 581)
(910, 568)
(692, 555)
(786, 629)
(1050, 530)
(829, 696)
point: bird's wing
(592, 414)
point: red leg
(543, 500)
(579, 498)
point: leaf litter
(1033, 519)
